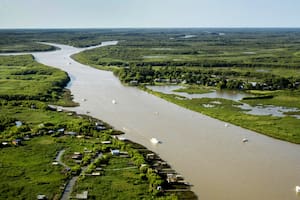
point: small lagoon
(276, 111)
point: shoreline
(203, 142)
(249, 126)
(170, 99)
(159, 165)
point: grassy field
(26, 170)
(240, 59)
(21, 78)
(116, 182)
(26, 40)
(270, 48)
(285, 98)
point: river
(209, 155)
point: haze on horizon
(148, 13)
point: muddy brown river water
(209, 155)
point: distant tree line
(221, 79)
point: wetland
(193, 143)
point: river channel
(209, 155)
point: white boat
(226, 125)
(245, 140)
(298, 189)
(83, 99)
(114, 101)
(154, 141)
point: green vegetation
(32, 132)
(117, 182)
(269, 48)
(131, 175)
(16, 46)
(26, 171)
(285, 98)
(258, 59)
(26, 40)
(21, 78)
(222, 79)
(32, 159)
(263, 62)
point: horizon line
(192, 27)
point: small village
(93, 162)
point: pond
(272, 110)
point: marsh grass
(285, 98)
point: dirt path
(69, 188)
(58, 158)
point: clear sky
(148, 13)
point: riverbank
(284, 128)
(187, 137)
(213, 158)
(197, 135)
(33, 132)
(87, 137)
